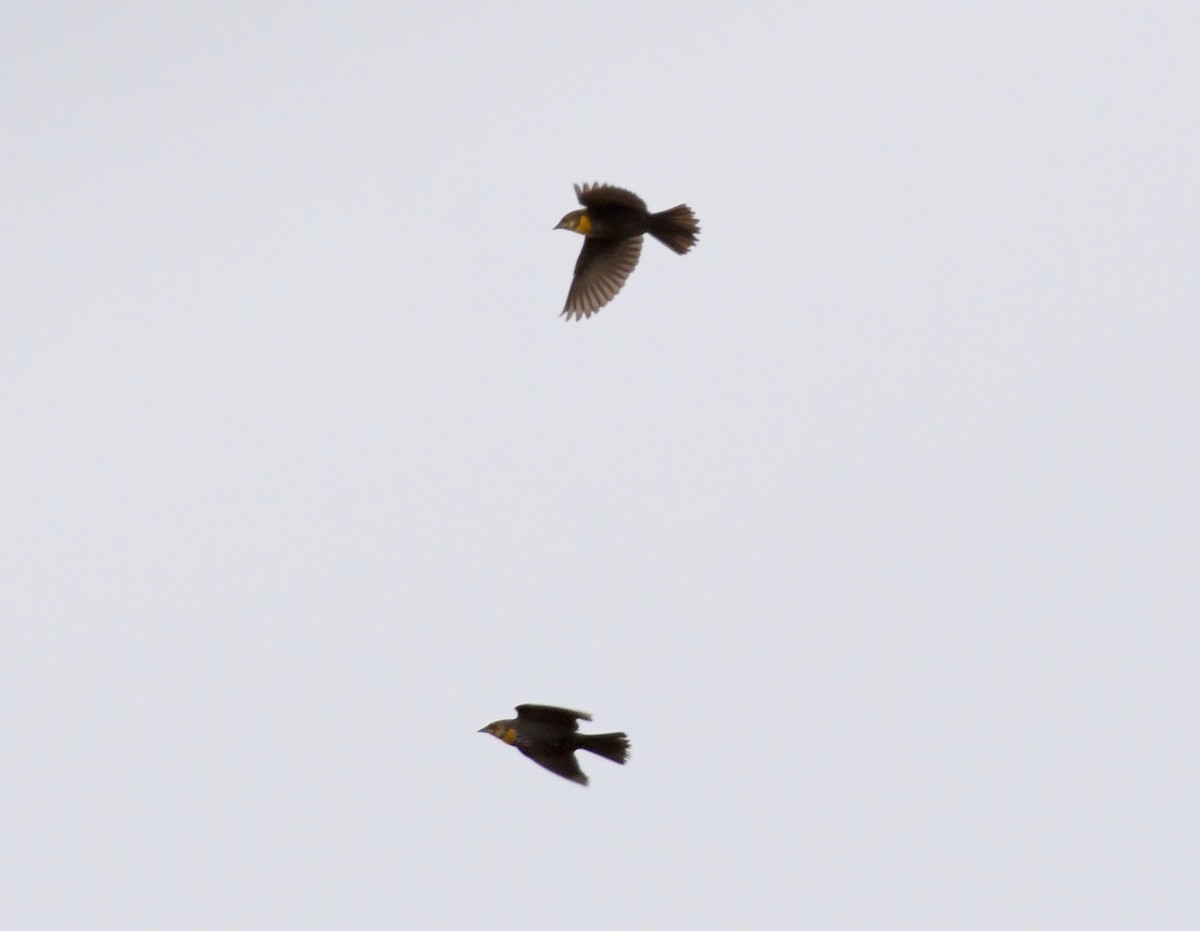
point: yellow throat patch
(509, 736)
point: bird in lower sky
(550, 736)
(612, 223)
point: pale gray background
(873, 520)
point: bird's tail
(613, 747)
(676, 228)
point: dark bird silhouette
(550, 736)
(612, 223)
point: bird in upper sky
(550, 736)
(612, 223)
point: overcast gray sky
(873, 520)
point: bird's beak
(558, 225)
(484, 730)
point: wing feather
(549, 714)
(559, 762)
(603, 267)
(606, 195)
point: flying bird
(550, 736)
(612, 223)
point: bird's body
(550, 736)
(612, 222)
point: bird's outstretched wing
(601, 271)
(605, 195)
(548, 714)
(560, 762)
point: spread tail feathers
(613, 747)
(676, 228)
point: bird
(550, 736)
(612, 222)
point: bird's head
(503, 730)
(577, 220)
